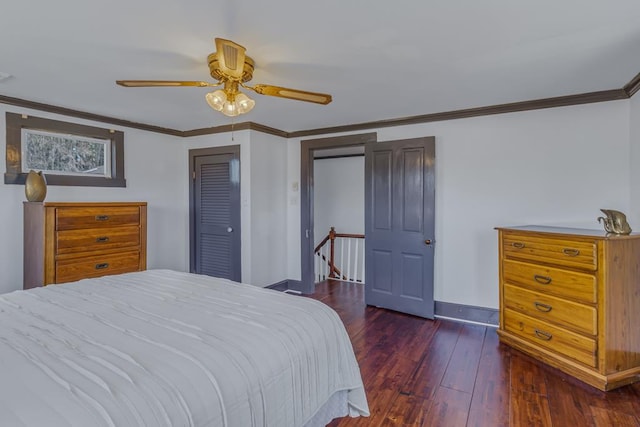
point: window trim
(15, 175)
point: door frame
(307, 148)
(233, 150)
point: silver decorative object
(615, 222)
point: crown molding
(625, 92)
(537, 104)
(217, 129)
(236, 127)
(87, 116)
(633, 86)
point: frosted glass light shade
(230, 105)
(216, 100)
(230, 109)
(244, 103)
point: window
(55, 153)
(67, 153)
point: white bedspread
(163, 348)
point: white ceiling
(379, 60)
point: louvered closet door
(217, 216)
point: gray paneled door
(216, 215)
(399, 225)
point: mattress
(165, 348)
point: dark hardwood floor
(442, 373)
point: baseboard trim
(467, 313)
(444, 310)
(285, 285)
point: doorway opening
(308, 239)
(338, 199)
(399, 222)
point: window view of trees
(63, 153)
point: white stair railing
(340, 256)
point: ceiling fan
(232, 68)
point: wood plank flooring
(420, 372)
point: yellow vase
(35, 186)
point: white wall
(293, 209)
(268, 209)
(150, 163)
(554, 166)
(338, 193)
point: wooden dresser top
(568, 231)
(85, 204)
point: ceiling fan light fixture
(230, 101)
(216, 99)
(230, 66)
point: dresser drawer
(72, 241)
(570, 253)
(570, 315)
(558, 340)
(96, 217)
(69, 270)
(554, 281)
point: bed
(165, 348)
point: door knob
(427, 242)
(229, 229)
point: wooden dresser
(571, 298)
(64, 242)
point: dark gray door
(399, 225)
(216, 215)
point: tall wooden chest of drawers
(64, 242)
(571, 298)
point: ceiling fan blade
(231, 57)
(151, 83)
(299, 95)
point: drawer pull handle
(102, 266)
(102, 217)
(544, 280)
(518, 245)
(571, 252)
(542, 307)
(543, 335)
(102, 239)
